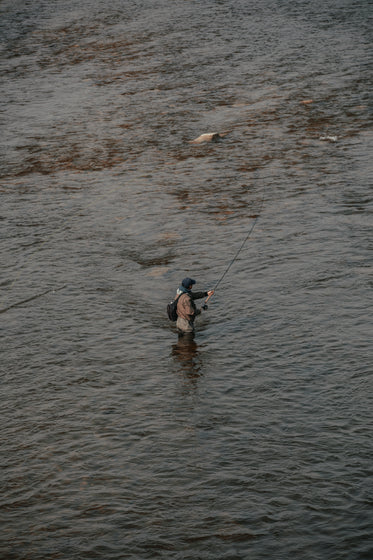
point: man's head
(188, 283)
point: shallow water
(120, 440)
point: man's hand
(210, 293)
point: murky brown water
(120, 441)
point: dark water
(119, 441)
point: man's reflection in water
(186, 352)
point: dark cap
(188, 282)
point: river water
(119, 440)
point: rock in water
(329, 138)
(209, 137)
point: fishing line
(32, 298)
(28, 258)
(239, 250)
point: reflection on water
(185, 352)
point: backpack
(171, 309)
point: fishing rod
(204, 306)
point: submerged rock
(157, 271)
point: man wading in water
(186, 308)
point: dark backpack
(171, 309)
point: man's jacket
(186, 308)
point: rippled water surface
(119, 440)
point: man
(186, 308)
